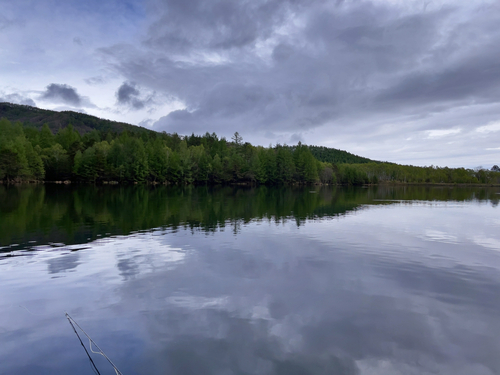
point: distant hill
(332, 155)
(36, 117)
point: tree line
(373, 173)
(29, 154)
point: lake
(238, 280)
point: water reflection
(381, 288)
(33, 216)
(63, 264)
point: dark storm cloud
(128, 94)
(61, 93)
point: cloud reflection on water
(284, 300)
(365, 293)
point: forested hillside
(135, 155)
(82, 123)
(332, 155)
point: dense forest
(27, 153)
(122, 156)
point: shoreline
(153, 183)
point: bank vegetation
(31, 154)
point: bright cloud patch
(438, 133)
(492, 127)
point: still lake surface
(291, 281)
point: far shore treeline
(98, 156)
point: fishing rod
(71, 321)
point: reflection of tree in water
(495, 199)
(78, 214)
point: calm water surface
(250, 281)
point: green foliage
(82, 123)
(77, 165)
(90, 138)
(326, 173)
(18, 159)
(332, 155)
(305, 164)
(148, 157)
(35, 162)
(355, 174)
(158, 155)
(269, 173)
(46, 137)
(56, 163)
(67, 136)
(88, 166)
(216, 175)
(285, 167)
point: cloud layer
(374, 77)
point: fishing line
(32, 313)
(71, 321)
(81, 342)
(93, 367)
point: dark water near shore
(196, 280)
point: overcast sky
(409, 81)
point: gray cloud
(222, 105)
(61, 93)
(97, 80)
(146, 123)
(78, 40)
(17, 99)
(348, 60)
(219, 25)
(128, 94)
(354, 66)
(475, 78)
